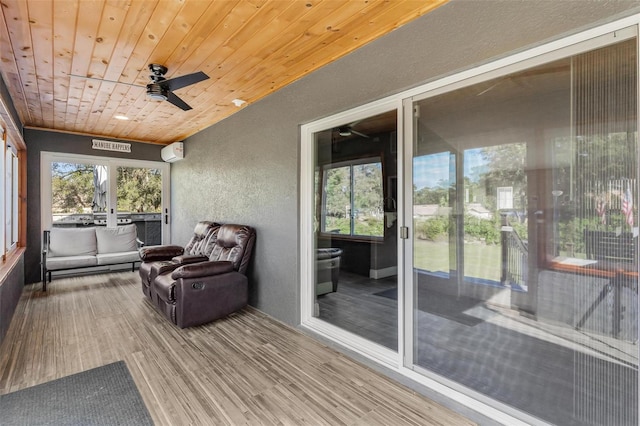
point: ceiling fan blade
(177, 102)
(359, 133)
(184, 80)
(103, 80)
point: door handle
(404, 232)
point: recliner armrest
(166, 252)
(186, 259)
(202, 269)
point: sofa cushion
(234, 243)
(123, 257)
(72, 242)
(201, 243)
(117, 240)
(68, 262)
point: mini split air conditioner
(173, 152)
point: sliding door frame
(307, 292)
(402, 361)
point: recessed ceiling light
(120, 117)
(239, 102)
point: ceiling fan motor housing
(156, 91)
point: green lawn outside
(480, 260)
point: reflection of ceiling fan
(162, 89)
(348, 130)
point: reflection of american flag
(627, 206)
(601, 210)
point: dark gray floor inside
(549, 370)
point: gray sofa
(74, 248)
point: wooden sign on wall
(111, 146)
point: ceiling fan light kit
(156, 92)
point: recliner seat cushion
(160, 258)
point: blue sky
(428, 170)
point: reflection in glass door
(355, 228)
(525, 267)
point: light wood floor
(245, 369)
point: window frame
(10, 196)
(11, 211)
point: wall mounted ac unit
(173, 152)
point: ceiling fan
(162, 89)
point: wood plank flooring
(245, 369)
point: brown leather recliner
(164, 258)
(197, 293)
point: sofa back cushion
(199, 244)
(234, 243)
(72, 242)
(117, 240)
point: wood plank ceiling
(73, 65)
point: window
(11, 200)
(9, 209)
(352, 201)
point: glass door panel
(139, 192)
(355, 238)
(78, 192)
(432, 214)
(525, 272)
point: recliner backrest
(234, 243)
(202, 233)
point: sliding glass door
(81, 191)
(524, 275)
(490, 241)
(355, 270)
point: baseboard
(376, 274)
